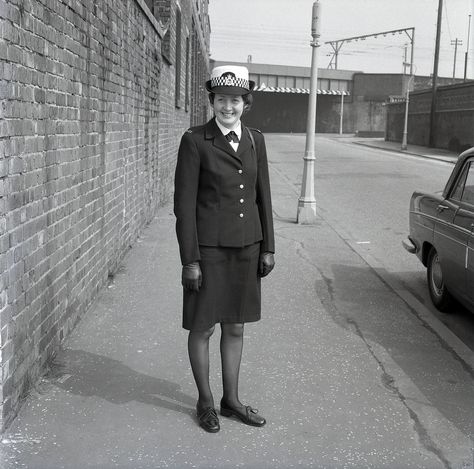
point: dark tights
(231, 353)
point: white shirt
(237, 129)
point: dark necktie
(232, 137)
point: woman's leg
(198, 349)
(231, 353)
(232, 340)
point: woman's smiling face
(228, 109)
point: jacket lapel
(213, 133)
(245, 143)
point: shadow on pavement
(87, 374)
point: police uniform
(223, 211)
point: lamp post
(405, 125)
(341, 116)
(307, 201)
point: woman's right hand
(191, 277)
(266, 263)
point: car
(441, 229)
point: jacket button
(241, 186)
(241, 201)
(241, 215)
(240, 171)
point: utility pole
(467, 48)
(435, 75)
(455, 43)
(307, 202)
(405, 63)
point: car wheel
(439, 294)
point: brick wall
(89, 130)
(453, 120)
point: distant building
(349, 101)
(285, 76)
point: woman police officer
(225, 233)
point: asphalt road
(364, 194)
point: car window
(468, 192)
(457, 191)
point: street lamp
(307, 202)
(405, 125)
(341, 114)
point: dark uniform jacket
(222, 197)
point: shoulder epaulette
(194, 129)
(256, 130)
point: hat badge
(229, 78)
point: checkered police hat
(230, 79)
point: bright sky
(279, 32)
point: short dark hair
(247, 98)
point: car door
(470, 268)
(451, 235)
(464, 224)
(465, 219)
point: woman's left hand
(191, 276)
(265, 263)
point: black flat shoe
(208, 419)
(249, 416)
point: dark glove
(191, 277)
(265, 263)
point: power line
(337, 45)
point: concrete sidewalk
(415, 150)
(121, 394)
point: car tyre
(439, 294)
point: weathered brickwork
(453, 118)
(89, 131)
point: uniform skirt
(230, 290)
